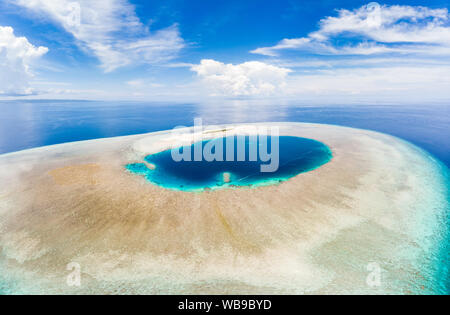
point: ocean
(30, 124)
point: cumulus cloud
(399, 54)
(374, 29)
(245, 79)
(110, 30)
(16, 56)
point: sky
(310, 51)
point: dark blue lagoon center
(238, 161)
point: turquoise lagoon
(296, 155)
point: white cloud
(110, 30)
(245, 79)
(16, 56)
(140, 84)
(400, 84)
(403, 29)
(399, 54)
(380, 82)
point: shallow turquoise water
(443, 269)
(296, 155)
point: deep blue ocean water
(25, 125)
(242, 162)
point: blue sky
(171, 50)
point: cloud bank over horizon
(118, 49)
(375, 51)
